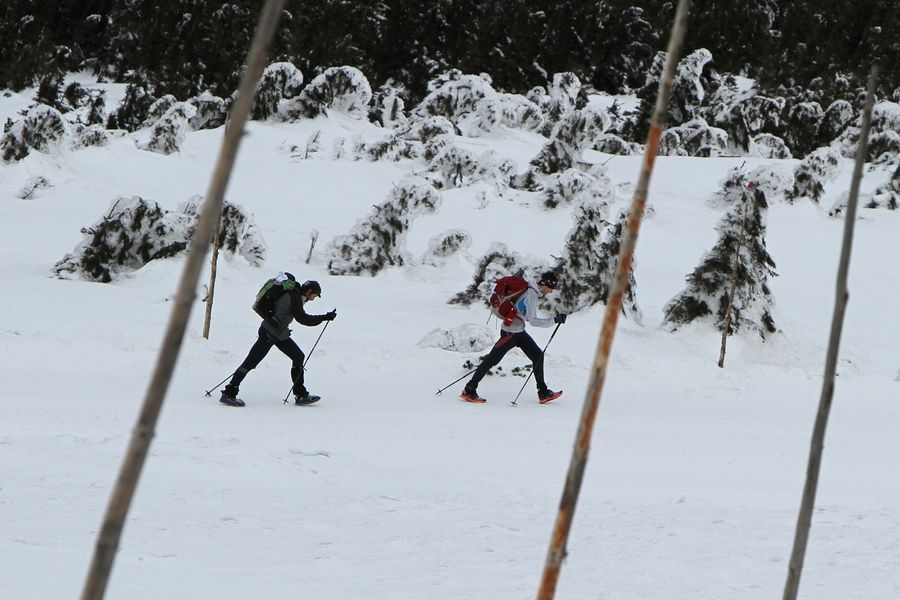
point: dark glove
(559, 318)
(331, 316)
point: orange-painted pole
(557, 550)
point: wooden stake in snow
(130, 471)
(734, 274)
(804, 519)
(557, 550)
(211, 290)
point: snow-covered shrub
(344, 89)
(810, 176)
(42, 128)
(388, 108)
(688, 91)
(588, 265)
(888, 194)
(158, 109)
(575, 133)
(496, 263)
(445, 245)
(279, 81)
(467, 101)
(378, 241)
(468, 337)
(694, 138)
(93, 135)
(739, 257)
(610, 143)
(774, 180)
(33, 184)
(574, 185)
(167, 134)
(456, 167)
(743, 114)
(837, 116)
(561, 98)
(766, 145)
(133, 232)
(132, 111)
(389, 147)
(238, 233)
(210, 112)
(519, 112)
(801, 127)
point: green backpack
(271, 291)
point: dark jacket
(287, 309)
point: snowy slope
(386, 490)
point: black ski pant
(507, 342)
(258, 352)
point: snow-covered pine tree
(887, 195)
(497, 262)
(467, 101)
(238, 233)
(575, 133)
(279, 81)
(344, 89)
(810, 176)
(132, 111)
(588, 265)
(801, 127)
(167, 134)
(739, 255)
(210, 112)
(694, 138)
(41, 128)
(133, 232)
(378, 241)
(445, 245)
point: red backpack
(507, 292)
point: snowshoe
(470, 395)
(545, 396)
(306, 399)
(229, 400)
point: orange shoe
(470, 395)
(545, 396)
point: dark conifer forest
(809, 50)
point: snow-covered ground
(385, 489)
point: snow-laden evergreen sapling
(344, 89)
(887, 195)
(740, 111)
(132, 111)
(443, 246)
(210, 112)
(810, 176)
(379, 241)
(135, 231)
(42, 128)
(694, 138)
(455, 167)
(497, 262)
(574, 185)
(279, 81)
(167, 134)
(575, 133)
(467, 101)
(735, 271)
(588, 265)
(238, 233)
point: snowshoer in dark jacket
(274, 332)
(515, 336)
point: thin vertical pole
(122, 494)
(211, 290)
(804, 518)
(557, 550)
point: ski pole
(303, 368)
(516, 400)
(208, 392)
(438, 393)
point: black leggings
(258, 352)
(507, 342)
